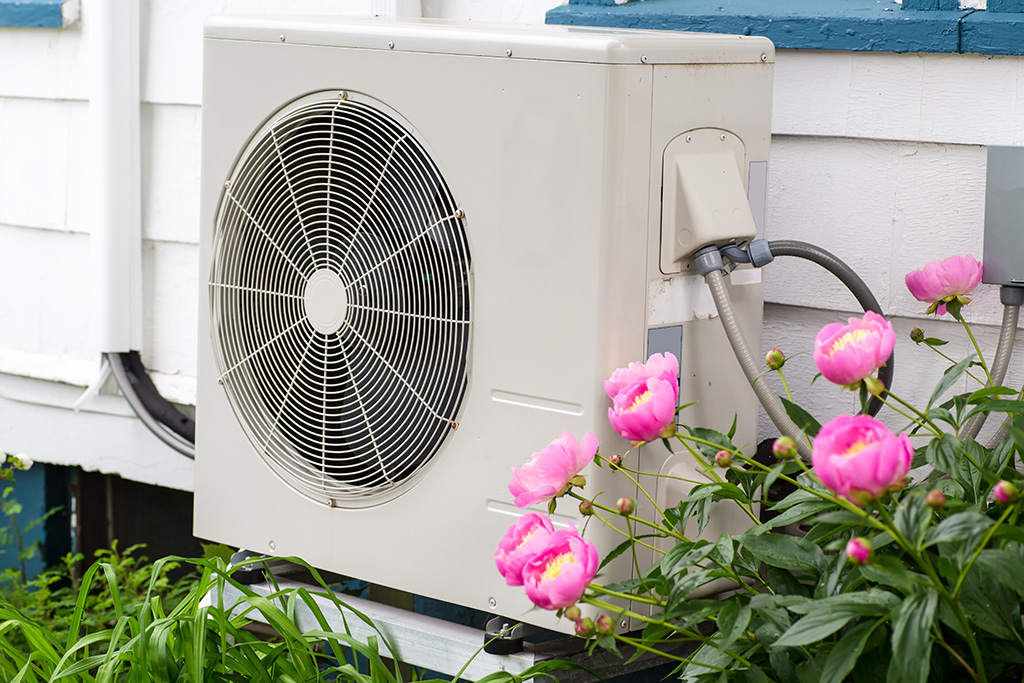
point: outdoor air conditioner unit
(423, 247)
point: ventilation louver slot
(340, 296)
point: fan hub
(326, 301)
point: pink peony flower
(860, 459)
(646, 410)
(942, 281)
(846, 354)
(524, 539)
(658, 366)
(547, 473)
(859, 550)
(558, 575)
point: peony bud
(935, 500)
(572, 613)
(859, 550)
(625, 506)
(1005, 492)
(586, 508)
(917, 335)
(874, 386)
(585, 627)
(605, 625)
(723, 458)
(775, 359)
(615, 461)
(784, 448)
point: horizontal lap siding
(877, 157)
(880, 159)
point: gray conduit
(772, 405)
(1007, 335)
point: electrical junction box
(424, 246)
(1003, 262)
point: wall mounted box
(1004, 217)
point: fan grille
(340, 299)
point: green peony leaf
(844, 655)
(950, 377)
(804, 420)
(958, 527)
(787, 552)
(911, 637)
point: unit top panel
(557, 43)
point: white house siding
(880, 158)
(877, 157)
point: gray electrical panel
(1004, 217)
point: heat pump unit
(424, 245)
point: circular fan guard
(340, 299)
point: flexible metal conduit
(772, 405)
(852, 281)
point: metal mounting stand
(439, 645)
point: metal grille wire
(348, 401)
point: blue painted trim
(993, 34)
(801, 24)
(1005, 6)
(858, 25)
(32, 13)
(931, 5)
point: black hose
(158, 414)
(848, 277)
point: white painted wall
(877, 157)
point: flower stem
(710, 470)
(643, 521)
(641, 488)
(977, 553)
(981, 358)
(660, 622)
(597, 588)
(921, 417)
(969, 373)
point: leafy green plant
(889, 577)
(198, 637)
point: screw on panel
(331, 503)
(343, 95)
(282, 37)
(459, 213)
(227, 183)
(455, 425)
(643, 58)
(689, 138)
(624, 623)
(764, 56)
(722, 137)
(272, 546)
(508, 53)
(391, 45)
(492, 602)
